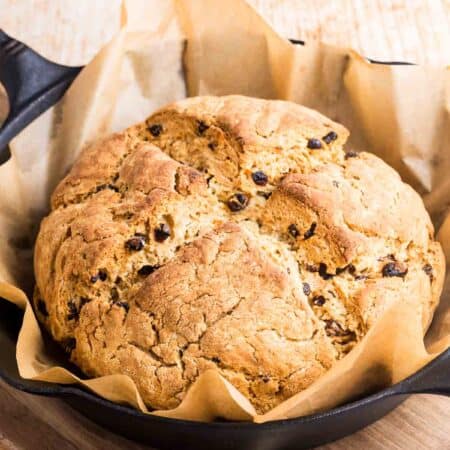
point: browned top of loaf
(229, 233)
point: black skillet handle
(434, 378)
(33, 85)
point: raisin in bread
(229, 233)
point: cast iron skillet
(33, 85)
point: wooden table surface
(405, 30)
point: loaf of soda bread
(229, 233)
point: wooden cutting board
(390, 30)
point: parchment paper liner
(212, 47)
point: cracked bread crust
(229, 233)
(208, 313)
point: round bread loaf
(229, 233)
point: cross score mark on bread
(229, 233)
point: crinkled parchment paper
(199, 47)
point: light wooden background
(406, 30)
(403, 30)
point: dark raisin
(73, 310)
(68, 344)
(83, 301)
(293, 230)
(266, 195)
(162, 232)
(42, 308)
(351, 154)
(114, 294)
(118, 280)
(314, 143)
(123, 305)
(212, 145)
(323, 272)
(310, 232)
(101, 275)
(147, 270)
(216, 360)
(155, 129)
(306, 289)
(260, 178)
(136, 243)
(237, 202)
(428, 269)
(333, 328)
(318, 300)
(394, 270)
(202, 127)
(330, 137)
(94, 278)
(265, 379)
(339, 270)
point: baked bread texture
(230, 233)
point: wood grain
(58, 29)
(388, 30)
(406, 30)
(30, 422)
(391, 30)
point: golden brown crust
(227, 318)
(229, 233)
